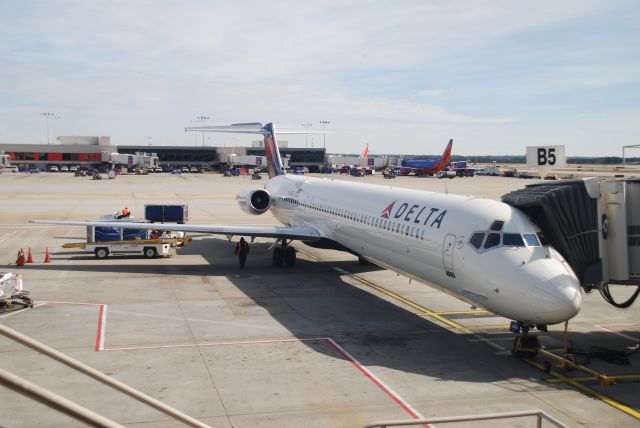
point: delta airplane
(485, 252)
(426, 166)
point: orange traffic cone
(29, 256)
(20, 260)
(47, 256)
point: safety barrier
(540, 415)
(53, 401)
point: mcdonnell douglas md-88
(485, 252)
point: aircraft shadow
(317, 303)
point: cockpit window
(497, 225)
(476, 240)
(531, 240)
(512, 239)
(493, 239)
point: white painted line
(604, 327)
(20, 311)
(6, 235)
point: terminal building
(87, 151)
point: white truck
(150, 248)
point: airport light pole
(54, 118)
(47, 116)
(202, 119)
(148, 141)
(324, 137)
(306, 136)
(195, 136)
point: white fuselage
(444, 240)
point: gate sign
(546, 156)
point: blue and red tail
(272, 152)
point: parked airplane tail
(272, 152)
(446, 155)
(365, 151)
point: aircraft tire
(290, 256)
(278, 257)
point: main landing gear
(524, 345)
(284, 255)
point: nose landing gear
(524, 344)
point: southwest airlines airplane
(485, 252)
(427, 166)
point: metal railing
(52, 400)
(540, 416)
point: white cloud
(132, 69)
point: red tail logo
(387, 211)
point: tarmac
(329, 343)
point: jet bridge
(595, 225)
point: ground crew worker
(124, 213)
(242, 249)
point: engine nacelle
(254, 201)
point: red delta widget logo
(418, 214)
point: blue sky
(402, 76)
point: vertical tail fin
(274, 161)
(365, 152)
(446, 155)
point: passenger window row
(359, 217)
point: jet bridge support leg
(284, 255)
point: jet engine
(254, 201)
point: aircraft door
(447, 254)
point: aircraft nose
(558, 299)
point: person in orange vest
(242, 249)
(125, 213)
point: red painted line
(73, 303)
(194, 345)
(407, 408)
(102, 325)
(99, 347)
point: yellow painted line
(558, 377)
(604, 398)
(593, 378)
(467, 312)
(480, 327)
(407, 302)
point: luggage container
(166, 213)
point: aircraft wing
(298, 233)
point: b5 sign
(546, 156)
